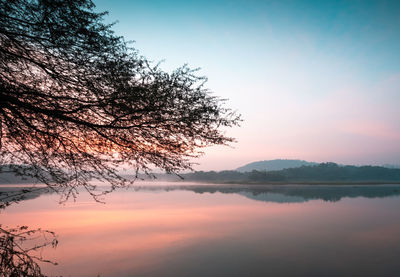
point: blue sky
(314, 80)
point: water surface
(204, 230)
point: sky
(313, 80)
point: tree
(20, 250)
(76, 102)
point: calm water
(195, 230)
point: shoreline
(322, 183)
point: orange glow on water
(141, 233)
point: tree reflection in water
(21, 248)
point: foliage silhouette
(321, 173)
(76, 102)
(12, 195)
(20, 251)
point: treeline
(324, 172)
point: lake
(164, 229)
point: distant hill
(321, 173)
(273, 165)
(11, 179)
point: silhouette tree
(20, 251)
(76, 102)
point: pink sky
(351, 125)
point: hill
(272, 165)
(9, 177)
(321, 173)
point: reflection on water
(203, 230)
(288, 193)
(20, 250)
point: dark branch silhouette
(76, 102)
(13, 195)
(20, 250)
